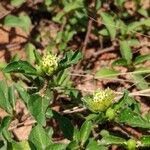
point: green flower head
(48, 64)
(100, 100)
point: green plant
(44, 81)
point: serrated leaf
(126, 51)
(119, 62)
(140, 82)
(127, 101)
(109, 23)
(127, 116)
(23, 22)
(17, 2)
(39, 138)
(37, 106)
(4, 99)
(22, 93)
(106, 72)
(142, 58)
(20, 67)
(85, 131)
(111, 139)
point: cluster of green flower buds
(48, 64)
(100, 100)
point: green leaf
(65, 125)
(146, 22)
(127, 101)
(30, 48)
(98, 4)
(37, 106)
(49, 113)
(143, 12)
(85, 131)
(104, 32)
(56, 146)
(4, 99)
(23, 145)
(63, 79)
(73, 145)
(73, 6)
(109, 23)
(127, 116)
(142, 70)
(142, 58)
(111, 140)
(148, 116)
(140, 82)
(137, 25)
(58, 18)
(145, 141)
(126, 51)
(16, 57)
(12, 96)
(93, 145)
(48, 2)
(76, 57)
(23, 22)
(39, 138)
(21, 67)
(119, 2)
(22, 92)
(133, 42)
(122, 27)
(119, 62)
(17, 2)
(5, 123)
(76, 135)
(70, 58)
(106, 72)
(7, 135)
(37, 57)
(134, 26)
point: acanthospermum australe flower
(48, 64)
(100, 100)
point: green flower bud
(100, 100)
(48, 64)
(110, 113)
(131, 144)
